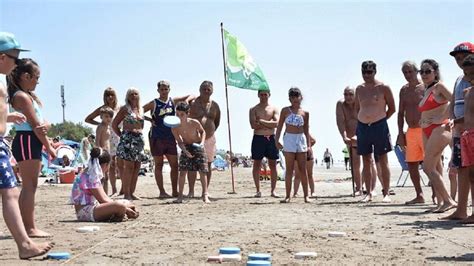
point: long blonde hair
(127, 102)
(107, 92)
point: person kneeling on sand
(89, 198)
(190, 136)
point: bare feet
(367, 198)
(175, 194)
(36, 233)
(358, 193)
(190, 195)
(295, 195)
(286, 200)
(135, 197)
(258, 195)
(30, 250)
(386, 199)
(307, 200)
(164, 195)
(446, 207)
(454, 216)
(178, 200)
(417, 200)
(468, 220)
(205, 198)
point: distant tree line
(67, 130)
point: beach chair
(405, 173)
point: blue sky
(316, 45)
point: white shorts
(294, 142)
(86, 213)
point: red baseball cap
(465, 47)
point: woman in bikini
(130, 147)
(110, 100)
(436, 132)
(295, 145)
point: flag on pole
(241, 69)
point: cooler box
(67, 177)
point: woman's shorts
(294, 142)
(26, 146)
(86, 213)
(131, 147)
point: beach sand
(188, 233)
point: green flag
(242, 71)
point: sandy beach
(173, 234)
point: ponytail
(25, 65)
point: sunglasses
(367, 72)
(16, 59)
(426, 72)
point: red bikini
(430, 104)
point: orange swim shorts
(414, 142)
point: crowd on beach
(436, 117)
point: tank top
(25, 126)
(162, 109)
(459, 87)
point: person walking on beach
(327, 158)
(208, 113)
(460, 53)
(411, 141)
(347, 157)
(295, 140)
(263, 119)
(27, 248)
(375, 104)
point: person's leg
(119, 162)
(29, 171)
(356, 170)
(173, 162)
(367, 164)
(181, 181)
(11, 213)
(438, 140)
(126, 177)
(453, 182)
(464, 185)
(113, 175)
(159, 176)
(290, 162)
(297, 180)
(103, 212)
(208, 174)
(205, 193)
(133, 183)
(470, 172)
(375, 171)
(191, 181)
(256, 176)
(301, 161)
(309, 172)
(105, 183)
(385, 174)
(413, 169)
(274, 177)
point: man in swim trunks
(467, 137)
(411, 141)
(208, 113)
(460, 53)
(375, 104)
(263, 119)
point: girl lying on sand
(91, 202)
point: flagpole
(228, 113)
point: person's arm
(117, 120)
(401, 120)
(390, 102)
(273, 123)
(356, 99)
(281, 121)
(24, 100)
(90, 118)
(341, 122)
(100, 195)
(186, 98)
(16, 118)
(180, 141)
(306, 132)
(217, 120)
(148, 107)
(202, 132)
(447, 95)
(253, 120)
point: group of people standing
(435, 117)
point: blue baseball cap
(8, 42)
